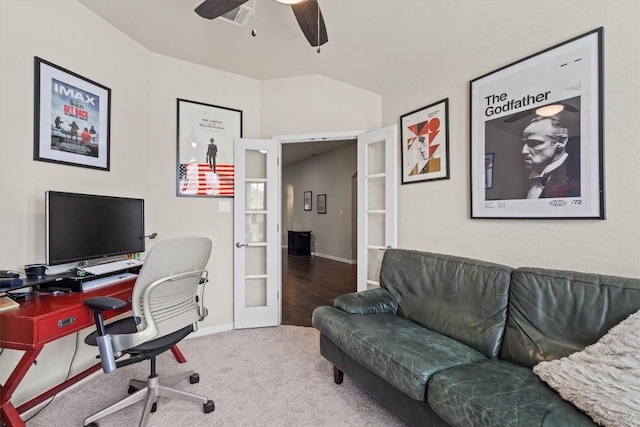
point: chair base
(150, 391)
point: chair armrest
(105, 345)
(371, 301)
(104, 303)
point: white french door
(257, 255)
(377, 201)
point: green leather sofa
(447, 340)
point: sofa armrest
(371, 301)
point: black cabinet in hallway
(299, 242)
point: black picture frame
(424, 145)
(72, 118)
(322, 203)
(205, 166)
(541, 118)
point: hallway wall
(329, 174)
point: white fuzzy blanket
(603, 380)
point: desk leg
(178, 354)
(8, 412)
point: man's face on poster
(541, 145)
(423, 147)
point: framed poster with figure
(537, 135)
(425, 143)
(205, 136)
(72, 118)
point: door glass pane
(376, 230)
(255, 276)
(255, 228)
(375, 158)
(373, 266)
(255, 164)
(255, 260)
(375, 193)
(255, 196)
(255, 292)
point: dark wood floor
(310, 281)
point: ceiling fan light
(290, 1)
(549, 110)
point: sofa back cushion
(554, 313)
(461, 298)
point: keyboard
(89, 285)
(112, 267)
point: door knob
(239, 245)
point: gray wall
(329, 174)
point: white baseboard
(335, 258)
(210, 330)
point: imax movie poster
(536, 135)
(73, 117)
(75, 120)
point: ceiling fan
(307, 13)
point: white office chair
(167, 303)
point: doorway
(324, 168)
(376, 218)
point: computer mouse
(9, 274)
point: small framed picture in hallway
(322, 203)
(307, 200)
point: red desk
(43, 318)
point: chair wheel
(93, 424)
(194, 378)
(154, 407)
(132, 389)
(208, 407)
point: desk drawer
(69, 321)
(62, 324)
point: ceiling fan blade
(211, 9)
(307, 16)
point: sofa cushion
(371, 301)
(551, 312)
(462, 298)
(499, 393)
(604, 379)
(402, 352)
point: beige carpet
(256, 377)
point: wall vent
(239, 16)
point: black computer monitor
(82, 227)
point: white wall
(93, 49)
(172, 216)
(119, 64)
(310, 104)
(434, 216)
